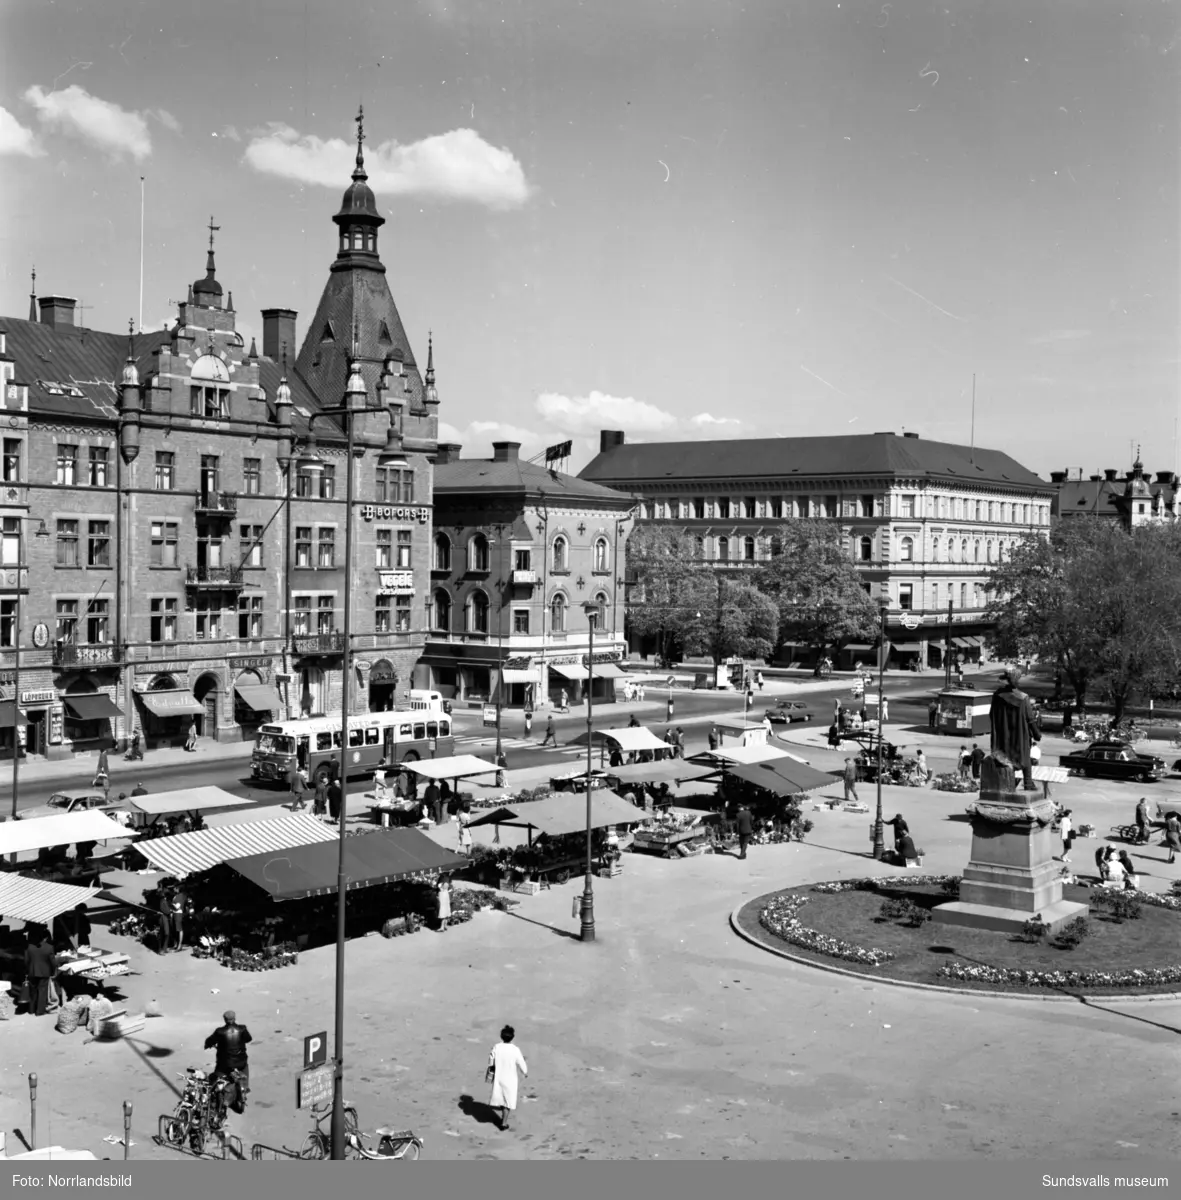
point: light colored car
(63, 803)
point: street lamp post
(42, 534)
(391, 456)
(588, 892)
(879, 841)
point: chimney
(1057, 476)
(609, 439)
(278, 329)
(1111, 475)
(57, 311)
(1164, 476)
(884, 433)
(1096, 478)
(448, 452)
(910, 435)
(505, 452)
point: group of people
(326, 795)
(1116, 870)
(29, 958)
(173, 908)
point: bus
(314, 743)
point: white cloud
(477, 438)
(458, 165)
(713, 426)
(15, 138)
(74, 111)
(589, 414)
(165, 118)
(230, 133)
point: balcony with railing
(217, 504)
(225, 578)
(318, 643)
(69, 654)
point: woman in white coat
(503, 1064)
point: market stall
(673, 834)
(39, 901)
(150, 814)
(637, 742)
(963, 712)
(731, 756)
(657, 779)
(19, 837)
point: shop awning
(858, 646)
(783, 776)
(94, 706)
(175, 703)
(259, 696)
(38, 900)
(243, 816)
(558, 815)
(196, 799)
(968, 640)
(38, 832)
(609, 670)
(669, 770)
(515, 675)
(185, 853)
(577, 674)
(629, 740)
(744, 755)
(458, 767)
(7, 709)
(369, 860)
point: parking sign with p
(315, 1050)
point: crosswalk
(481, 742)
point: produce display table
(92, 963)
(660, 841)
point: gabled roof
(526, 479)
(806, 458)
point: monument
(1012, 876)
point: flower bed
(953, 782)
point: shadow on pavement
(837, 850)
(542, 925)
(150, 1053)
(1090, 1003)
(479, 1112)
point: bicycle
(318, 1143)
(391, 1143)
(200, 1114)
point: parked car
(1110, 759)
(62, 803)
(784, 712)
(575, 781)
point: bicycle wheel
(352, 1123)
(315, 1146)
(412, 1151)
(176, 1129)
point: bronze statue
(1014, 727)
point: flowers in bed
(779, 918)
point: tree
(1102, 603)
(816, 588)
(732, 619)
(667, 585)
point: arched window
(477, 613)
(441, 611)
(906, 550)
(748, 549)
(964, 550)
(963, 595)
(988, 550)
(866, 549)
(976, 550)
(604, 618)
(442, 552)
(601, 552)
(477, 553)
(776, 546)
(700, 544)
(935, 550)
(557, 613)
(723, 549)
(561, 561)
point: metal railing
(223, 503)
(214, 576)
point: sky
(683, 219)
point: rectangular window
(163, 550)
(326, 546)
(934, 595)
(12, 460)
(381, 614)
(208, 620)
(252, 476)
(402, 562)
(402, 614)
(301, 615)
(250, 548)
(100, 458)
(395, 485)
(520, 620)
(522, 560)
(67, 622)
(385, 549)
(303, 545)
(906, 595)
(699, 508)
(249, 616)
(163, 619)
(98, 617)
(67, 464)
(211, 403)
(328, 482)
(906, 508)
(10, 541)
(750, 508)
(67, 543)
(210, 478)
(777, 507)
(165, 470)
(325, 614)
(724, 508)
(805, 507)
(98, 544)
(303, 484)
(7, 623)
(830, 507)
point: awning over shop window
(259, 696)
(577, 674)
(969, 641)
(515, 675)
(175, 703)
(609, 670)
(94, 706)
(7, 709)
(858, 646)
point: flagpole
(141, 254)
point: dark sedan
(1114, 760)
(784, 712)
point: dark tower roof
(358, 210)
(208, 291)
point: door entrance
(37, 732)
(205, 693)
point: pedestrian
(885, 709)
(767, 725)
(320, 797)
(924, 772)
(713, 737)
(181, 906)
(83, 852)
(335, 799)
(745, 826)
(836, 710)
(965, 762)
(1131, 877)
(1143, 821)
(563, 703)
(80, 927)
(297, 785)
(668, 710)
(191, 740)
(1066, 826)
(434, 802)
(138, 790)
(444, 898)
(1102, 857)
(40, 968)
(102, 775)
(1173, 835)
(134, 752)
(164, 915)
(901, 828)
(528, 722)
(465, 834)
(680, 743)
(759, 680)
(834, 736)
(641, 693)
(633, 722)
(501, 767)
(551, 737)
(504, 1063)
(976, 760)
(850, 779)
(229, 1042)
(932, 710)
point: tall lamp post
(42, 535)
(879, 840)
(355, 404)
(588, 891)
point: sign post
(315, 1050)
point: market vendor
(901, 828)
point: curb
(934, 987)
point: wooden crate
(118, 1024)
(527, 887)
(610, 871)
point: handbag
(489, 1073)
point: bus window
(432, 729)
(373, 736)
(405, 731)
(356, 737)
(336, 739)
(419, 732)
(323, 741)
(301, 754)
(444, 729)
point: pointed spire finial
(284, 360)
(212, 230)
(430, 357)
(253, 348)
(33, 298)
(359, 170)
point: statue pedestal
(1012, 876)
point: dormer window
(209, 390)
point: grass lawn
(1151, 941)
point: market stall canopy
(174, 703)
(196, 799)
(558, 815)
(627, 740)
(243, 816)
(458, 767)
(7, 710)
(39, 832)
(783, 776)
(38, 901)
(259, 696)
(674, 770)
(604, 670)
(95, 706)
(369, 860)
(186, 853)
(745, 755)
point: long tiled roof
(1101, 497)
(524, 478)
(804, 458)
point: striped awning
(38, 901)
(186, 853)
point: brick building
(189, 566)
(924, 521)
(518, 549)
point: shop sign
(42, 697)
(395, 583)
(489, 716)
(910, 620)
(172, 699)
(56, 717)
(8, 677)
(382, 672)
(248, 661)
(389, 512)
(283, 677)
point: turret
(431, 397)
(129, 402)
